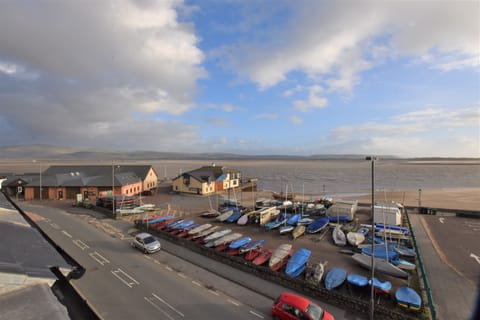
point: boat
(263, 257)
(182, 225)
(380, 251)
(282, 196)
(363, 230)
(254, 253)
(338, 219)
(314, 273)
(334, 278)
(280, 256)
(404, 251)
(234, 217)
(159, 219)
(172, 224)
(183, 232)
(226, 239)
(381, 226)
(251, 246)
(210, 213)
(317, 225)
(224, 216)
(355, 238)
(408, 298)
(357, 280)
(199, 229)
(286, 229)
(205, 232)
(297, 263)
(243, 220)
(216, 235)
(381, 286)
(293, 220)
(381, 265)
(403, 264)
(237, 244)
(305, 221)
(298, 231)
(339, 236)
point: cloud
(332, 44)
(225, 107)
(313, 102)
(72, 71)
(426, 132)
(219, 122)
(296, 120)
(269, 116)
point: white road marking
(442, 220)
(168, 268)
(156, 261)
(213, 292)
(168, 305)
(181, 275)
(256, 314)
(79, 243)
(66, 233)
(233, 302)
(147, 257)
(474, 256)
(99, 258)
(149, 300)
(196, 283)
(55, 226)
(124, 277)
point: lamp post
(372, 292)
(113, 190)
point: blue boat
(381, 226)
(298, 262)
(182, 225)
(174, 223)
(239, 243)
(408, 298)
(339, 218)
(305, 221)
(363, 230)
(282, 219)
(357, 280)
(317, 225)
(380, 252)
(234, 217)
(159, 219)
(251, 246)
(381, 286)
(292, 221)
(334, 278)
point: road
(122, 283)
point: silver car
(146, 243)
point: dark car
(290, 306)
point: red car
(290, 306)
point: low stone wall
(338, 299)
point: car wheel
(275, 318)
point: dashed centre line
(196, 283)
(235, 303)
(256, 314)
(66, 233)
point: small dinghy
(339, 237)
(298, 231)
(280, 256)
(263, 257)
(199, 229)
(286, 229)
(252, 254)
(334, 278)
(304, 221)
(224, 216)
(210, 213)
(381, 265)
(239, 243)
(251, 246)
(357, 280)
(297, 263)
(315, 272)
(381, 286)
(408, 298)
(216, 235)
(317, 225)
(293, 220)
(205, 232)
(355, 238)
(234, 217)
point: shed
(387, 213)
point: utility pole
(372, 292)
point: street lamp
(372, 159)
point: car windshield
(314, 311)
(148, 240)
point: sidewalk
(453, 295)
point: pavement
(454, 292)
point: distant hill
(48, 152)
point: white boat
(282, 251)
(381, 265)
(199, 229)
(355, 238)
(216, 235)
(339, 236)
(206, 232)
(147, 207)
(314, 273)
(298, 231)
(224, 216)
(226, 239)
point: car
(290, 306)
(146, 243)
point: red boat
(233, 252)
(252, 254)
(263, 257)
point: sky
(271, 77)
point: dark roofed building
(206, 180)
